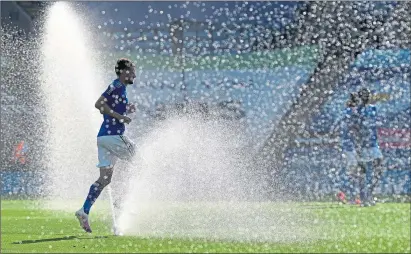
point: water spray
(115, 229)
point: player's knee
(105, 176)
(104, 181)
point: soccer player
(370, 153)
(349, 140)
(111, 142)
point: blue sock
(92, 196)
(350, 186)
(363, 188)
(368, 180)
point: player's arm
(105, 109)
(380, 97)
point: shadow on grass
(57, 239)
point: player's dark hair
(365, 94)
(353, 101)
(122, 65)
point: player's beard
(129, 81)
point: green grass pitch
(384, 228)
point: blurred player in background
(111, 142)
(361, 153)
(349, 141)
(370, 153)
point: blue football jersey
(116, 96)
(349, 129)
(368, 126)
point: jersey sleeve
(110, 91)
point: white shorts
(351, 158)
(370, 154)
(113, 147)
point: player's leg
(377, 166)
(349, 184)
(106, 164)
(343, 187)
(128, 148)
(363, 190)
(373, 159)
(97, 187)
(377, 173)
(124, 149)
(355, 183)
(366, 164)
(369, 172)
(366, 183)
(95, 190)
(343, 184)
(107, 160)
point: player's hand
(131, 108)
(125, 119)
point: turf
(383, 228)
